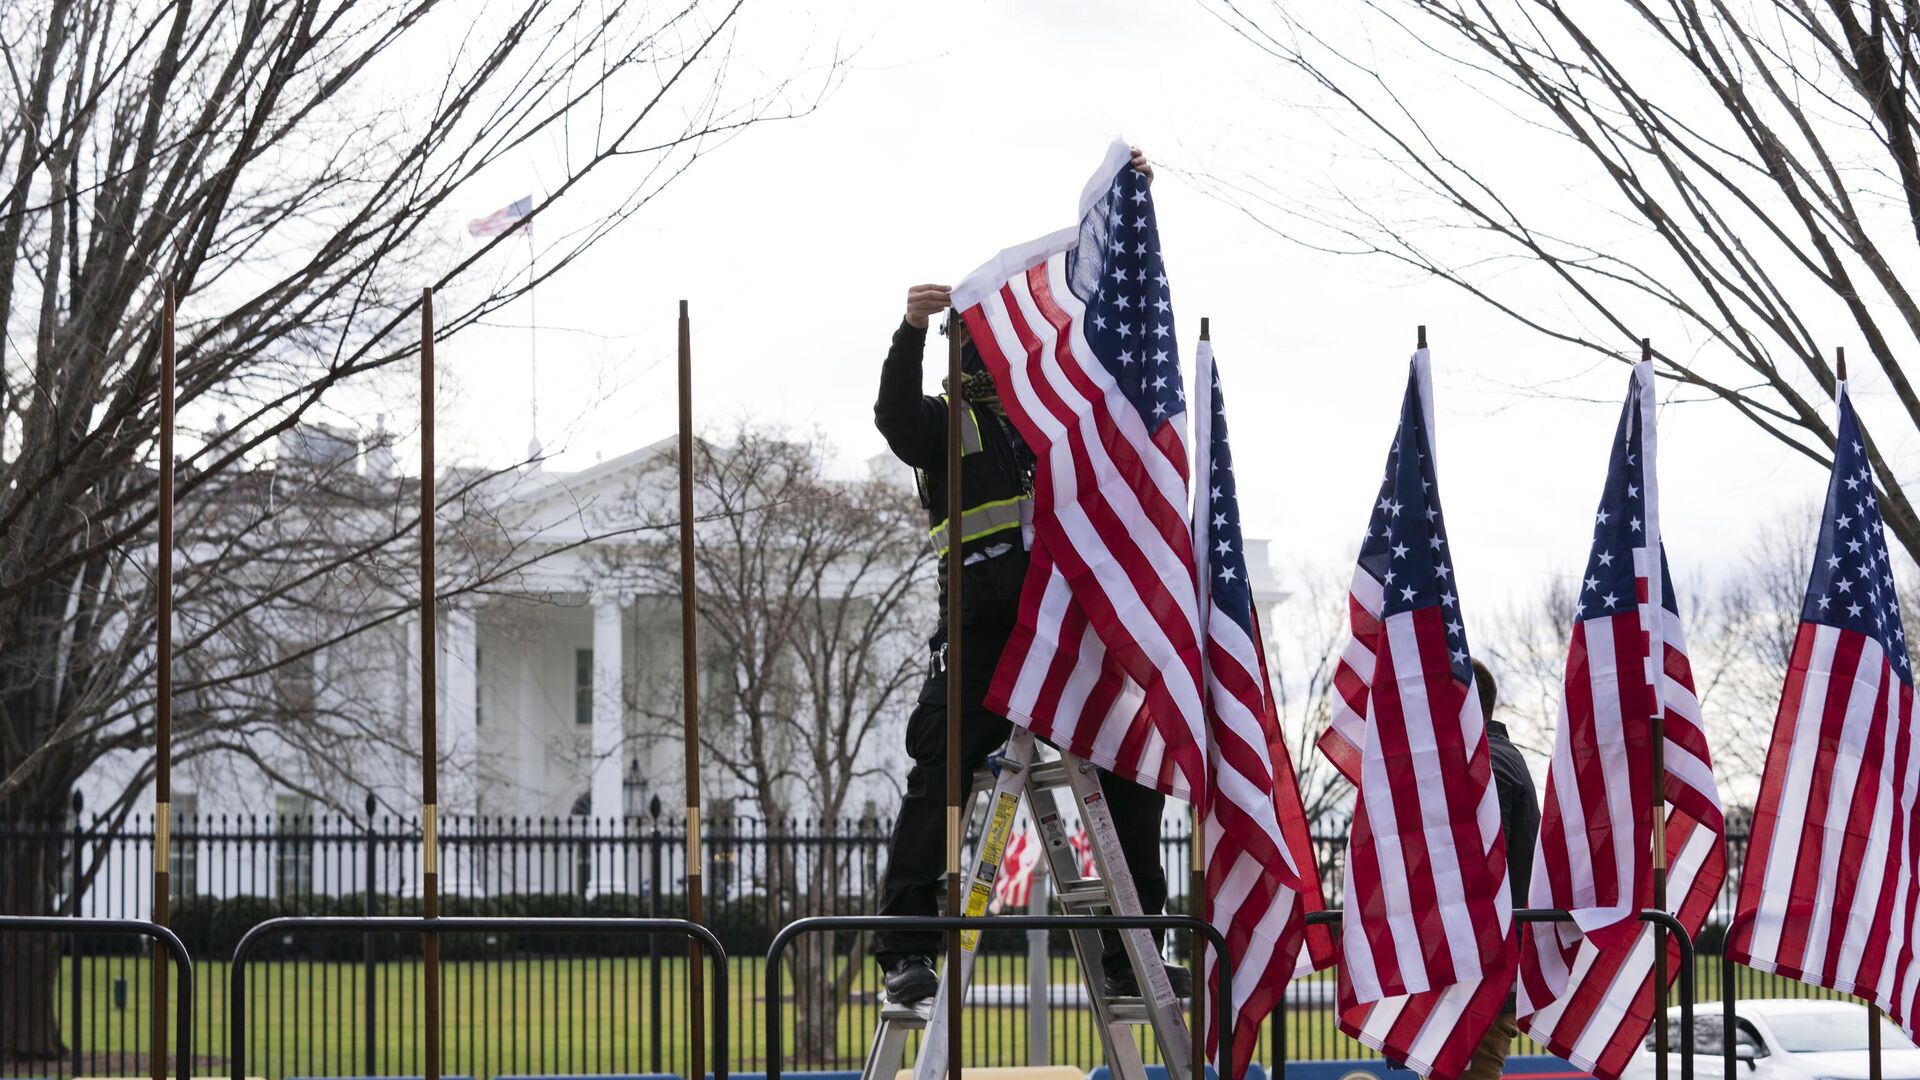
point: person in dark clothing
(1520, 820)
(996, 483)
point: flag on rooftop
(1827, 894)
(1429, 945)
(1261, 875)
(1587, 987)
(1077, 329)
(505, 219)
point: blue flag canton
(1852, 585)
(1406, 544)
(1116, 271)
(1226, 548)
(1611, 584)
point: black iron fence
(517, 1004)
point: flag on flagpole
(1586, 988)
(506, 219)
(1827, 895)
(1261, 876)
(1428, 943)
(1077, 329)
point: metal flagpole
(163, 702)
(956, 403)
(1197, 866)
(1874, 1071)
(689, 701)
(429, 749)
(1658, 736)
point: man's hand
(923, 301)
(1141, 165)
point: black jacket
(915, 427)
(1519, 808)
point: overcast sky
(963, 128)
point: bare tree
(1303, 649)
(810, 588)
(291, 169)
(1747, 173)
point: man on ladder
(996, 471)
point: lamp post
(633, 790)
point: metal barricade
(776, 953)
(165, 938)
(237, 980)
(1535, 915)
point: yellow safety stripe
(983, 520)
(969, 432)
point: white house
(552, 681)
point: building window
(292, 846)
(293, 696)
(479, 695)
(583, 686)
(183, 854)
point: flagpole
(956, 402)
(1197, 865)
(690, 704)
(163, 702)
(429, 748)
(1656, 575)
(1874, 1070)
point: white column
(459, 682)
(609, 738)
(459, 783)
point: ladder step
(1087, 893)
(1129, 1010)
(907, 1016)
(1047, 774)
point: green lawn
(576, 1015)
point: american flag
(1428, 943)
(1261, 876)
(1077, 328)
(1083, 852)
(505, 219)
(1586, 989)
(1013, 885)
(1827, 896)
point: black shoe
(911, 980)
(1121, 983)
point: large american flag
(1586, 988)
(1428, 942)
(1828, 895)
(1077, 328)
(1261, 875)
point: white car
(1783, 1039)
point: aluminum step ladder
(1016, 774)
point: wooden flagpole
(1658, 736)
(1197, 861)
(163, 701)
(429, 748)
(1874, 1070)
(956, 404)
(690, 703)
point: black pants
(916, 853)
